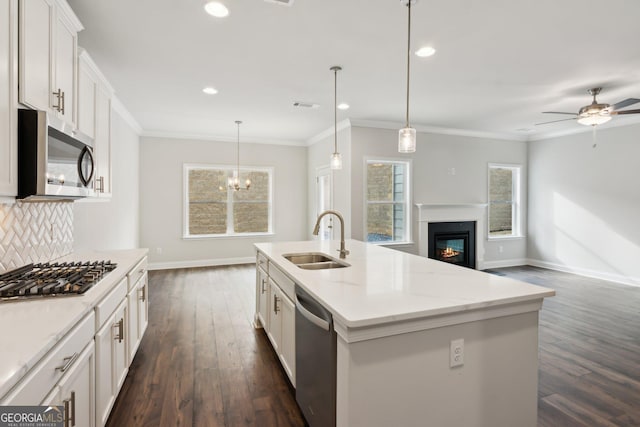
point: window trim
(407, 202)
(516, 197)
(186, 167)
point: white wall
(161, 199)
(318, 155)
(433, 182)
(113, 224)
(584, 204)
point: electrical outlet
(456, 353)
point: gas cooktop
(52, 279)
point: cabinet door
(36, 18)
(133, 336)
(111, 358)
(143, 305)
(8, 123)
(275, 317)
(288, 342)
(102, 143)
(75, 392)
(262, 289)
(86, 98)
(66, 50)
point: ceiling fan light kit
(595, 113)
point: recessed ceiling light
(423, 52)
(343, 106)
(216, 9)
(210, 90)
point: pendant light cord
(335, 110)
(238, 150)
(408, 55)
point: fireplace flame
(449, 252)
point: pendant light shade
(336, 158)
(407, 135)
(233, 182)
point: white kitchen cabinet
(48, 57)
(275, 311)
(138, 306)
(94, 118)
(8, 98)
(75, 392)
(262, 292)
(102, 142)
(111, 361)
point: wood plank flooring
(201, 362)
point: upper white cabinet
(48, 57)
(8, 97)
(94, 118)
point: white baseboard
(610, 277)
(485, 265)
(200, 263)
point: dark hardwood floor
(201, 363)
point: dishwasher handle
(321, 323)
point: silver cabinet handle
(70, 410)
(275, 304)
(58, 94)
(62, 97)
(120, 325)
(99, 184)
(263, 289)
(68, 362)
(143, 293)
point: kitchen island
(400, 319)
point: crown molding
(344, 124)
(119, 108)
(217, 138)
(440, 130)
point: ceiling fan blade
(625, 112)
(555, 121)
(625, 103)
(558, 112)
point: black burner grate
(52, 279)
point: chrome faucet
(316, 230)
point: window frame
(408, 187)
(516, 201)
(186, 167)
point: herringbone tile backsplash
(34, 232)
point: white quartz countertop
(383, 285)
(32, 327)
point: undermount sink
(315, 261)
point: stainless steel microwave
(54, 161)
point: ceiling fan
(595, 113)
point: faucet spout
(316, 230)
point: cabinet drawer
(282, 281)
(261, 261)
(137, 272)
(40, 380)
(110, 303)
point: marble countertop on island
(32, 327)
(383, 285)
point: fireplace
(453, 242)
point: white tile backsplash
(34, 232)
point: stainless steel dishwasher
(315, 361)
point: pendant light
(407, 135)
(233, 182)
(336, 158)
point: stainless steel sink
(315, 261)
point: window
(212, 210)
(504, 201)
(387, 202)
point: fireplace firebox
(453, 242)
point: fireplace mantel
(445, 212)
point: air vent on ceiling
(282, 2)
(305, 105)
